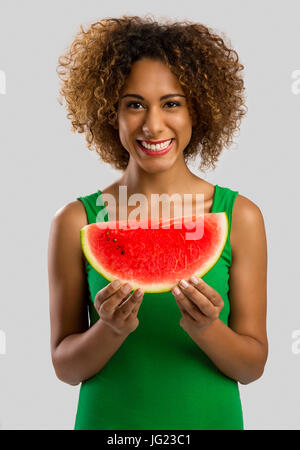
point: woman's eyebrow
(161, 98)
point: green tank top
(159, 379)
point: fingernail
(176, 291)
(126, 288)
(194, 279)
(116, 284)
(183, 283)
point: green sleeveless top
(159, 379)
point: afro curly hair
(93, 71)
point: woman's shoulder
(72, 214)
(245, 209)
(247, 218)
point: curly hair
(93, 71)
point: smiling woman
(150, 96)
(96, 66)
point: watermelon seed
(117, 247)
(122, 252)
(114, 239)
(107, 232)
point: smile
(156, 150)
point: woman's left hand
(199, 304)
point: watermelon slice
(154, 255)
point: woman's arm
(78, 352)
(239, 350)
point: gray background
(44, 166)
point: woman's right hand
(118, 308)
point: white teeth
(156, 147)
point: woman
(170, 360)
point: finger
(124, 299)
(188, 306)
(106, 292)
(131, 304)
(109, 306)
(138, 303)
(207, 291)
(183, 311)
(199, 300)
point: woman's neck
(168, 182)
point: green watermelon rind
(151, 288)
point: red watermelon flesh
(155, 258)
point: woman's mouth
(156, 150)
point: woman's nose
(153, 123)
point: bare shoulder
(68, 220)
(71, 216)
(247, 219)
(72, 212)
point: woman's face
(144, 115)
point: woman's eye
(174, 103)
(132, 103)
(137, 103)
